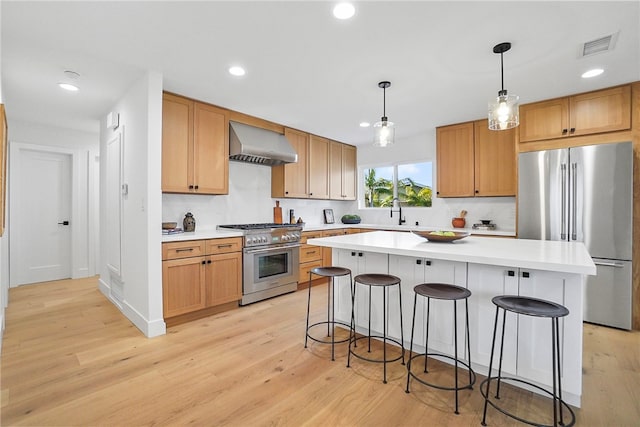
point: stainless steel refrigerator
(585, 194)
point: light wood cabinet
(325, 169)
(199, 274)
(475, 161)
(195, 147)
(310, 256)
(342, 171)
(326, 252)
(600, 111)
(318, 166)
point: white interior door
(40, 242)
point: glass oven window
(272, 265)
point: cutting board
(277, 213)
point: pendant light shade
(503, 110)
(384, 129)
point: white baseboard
(150, 329)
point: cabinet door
(224, 278)
(318, 168)
(349, 171)
(326, 252)
(544, 120)
(183, 285)
(602, 111)
(335, 171)
(534, 333)
(411, 271)
(369, 262)
(486, 282)
(455, 159)
(495, 161)
(211, 150)
(441, 324)
(177, 143)
(295, 174)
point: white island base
(488, 267)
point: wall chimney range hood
(260, 146)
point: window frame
(394, 166)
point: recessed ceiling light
(592, 73)
(365, 124)
(344, 10)
(237, 71)
(68, 86)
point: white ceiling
(305, 69)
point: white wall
(501, 210)
(140, 112)
(249, 201)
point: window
(411, 183)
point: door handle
(63, 223)
(574, 203)
(563, 204)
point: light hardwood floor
(70, 358)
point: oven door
(270, 267)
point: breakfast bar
(488, 267)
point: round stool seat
(530, 306)
(331, 271)
(374, 279)
(442, 291)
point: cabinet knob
(204, 262)
(573, 130)
(525, 274)
(286, 192)
(196, 187)
(353, 254)
(437, 192)
(209, 262)
(418, 261)
(564, 131)
(511, 273)
(359, 253)
(428, 262)
(191, 187)
(477, 191)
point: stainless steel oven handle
(270, 249)
(563, 204)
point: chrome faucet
(400, 219)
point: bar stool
(384, 281)
(446, 292)
(330, 273)
(529, 307)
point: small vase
(458, 222)
(189, 222)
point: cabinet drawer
(177, 250)
(310, 235)
(221, 246)
(306, 268)
(339, 232)
(310, 253)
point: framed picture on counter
(328, 216)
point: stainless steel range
(270, 259)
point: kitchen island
(488, 267)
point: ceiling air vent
(603, 44)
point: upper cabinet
(601, 111)
(195, 147)
(342, 171)
(325, 169)
(475, 161)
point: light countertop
(317, 227)
(200, 235)
(566, 257)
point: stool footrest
(468, 385)
(483, 391)
(380, 338)
(325, 322)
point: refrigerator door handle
(609, 264)
(574, 203)
(563, 213)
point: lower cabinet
(310, 256)
(199, 274)
(414, 271)
(527, 345)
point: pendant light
(384, 129)
(503, 111)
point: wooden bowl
(169, 225)
(437, 238)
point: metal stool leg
(306, 331)
(413, 324)
(384, 334)
(426, 339)
(466, 308)
(559, 371)
(401, 329)
(493, 346)
(455, 350)
(504, 326)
